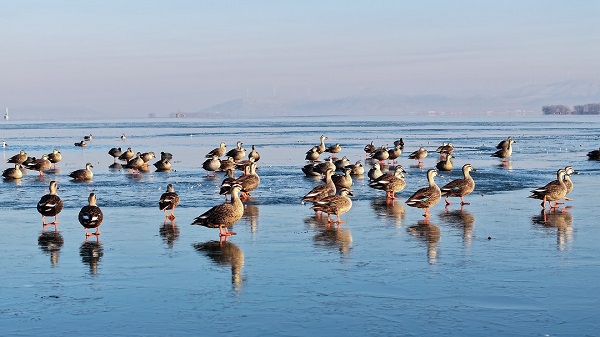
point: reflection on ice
(389, 209)
(91, 252)
(225, 253)
(429, 233)
(51, 242)
(460, 218)
(561, 220)
(169, 232)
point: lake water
(498, 266)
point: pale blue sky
(140, 57)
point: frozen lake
(498, 266)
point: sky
(134, 58)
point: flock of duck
(332, 197)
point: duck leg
(463, 202)
(447, 201)
(224, 231)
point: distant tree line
(586, 109)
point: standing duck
(460, 187)
(568, 182)
(212, 165)
(369, 149)
(18, 158)
(248, 181)
(426, 197)
(418, 155)
(445, 148)
(342, 180)
(391, 183)
(321, 147)
(40, 165)
(237, 153)
(445, 164)
(127, 155)
(321, 191)
(218, 151)
(91, 216)
(83, 174)
(115, 152)
(375, 172)
(227, 164)
(394, 153)
(553, 191)
(168, 201)
(504, 143)
(335, 204)
(13, 172)
(50, 205)
(333, 149)
(54, 157)
(381, 154)
(254, 154)
(504, 152)
(223, 215)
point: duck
(123, 137)
(369, 149)
(243, 164)
(13, 172)
(321, 191)
(553, 191)
(91, 216)
(166, 155)
(391, 183)
(399, 142)
(321, 147)
(55, 157)
(568, 182)
(218, 151)
(40, 165)
(310, 170)
(4, 144)
(374, 172)
(18, 158)
(341, 163)
(333, 149)
(249, 182)
(163, 165)
(223, 215)
(357, 169)
(445, 148)
(504, 152)
(227, 182)
(254, 154)
(227, 164)
(460, 187)
(115, 152)
(83, 174)
(394, 153)
(504, 143)
(81, 143)
(324, 166)
(50, 205)
(420, 154)
(237, 153)
(88, 137)
(594, 155)
(426, 197)
(168, 201)
(127, 155)
(342, 180)
(337, 205)
(381, 154)
(312, 154)
(445, 164)
(212, 165)
(147, 156)
(136, 163)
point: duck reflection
(250, 215)
(51, 243)
(429, 233)
(91, 252)
(460, 219)
(386, 209)
(507, 165)
(169, 232)
(561, 220)
(115, 167)
(225, 253)
(330, 236)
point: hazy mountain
(530, 98)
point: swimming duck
(168, 201)
(333, 149)
(418, 155)
(238, 153)
(54, 157)
(594, 155)
(394, 153)
(81, 143)
(391, 183)
(342, 180)
(504, 143)
(219, 151)
(321, 147)
(13, 172)
(212, 165)
(18, 158)
(115, 152)
(460, 187)
(50, 205)
(83, 174)
(553, 191)
(91, 216)
(504, 152)
(426, 197)
(312, 154)
(381, 154)
(227, 164)
(341, 163)
(375, 172)
(335, 204)
(163, 165)
(223, 215)
(357, 169)
(369, 149)
(88, 137)
(321, 191)
(445, 164)
(40, 165)
(147, 156)
(127, 155)
(254, 154)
